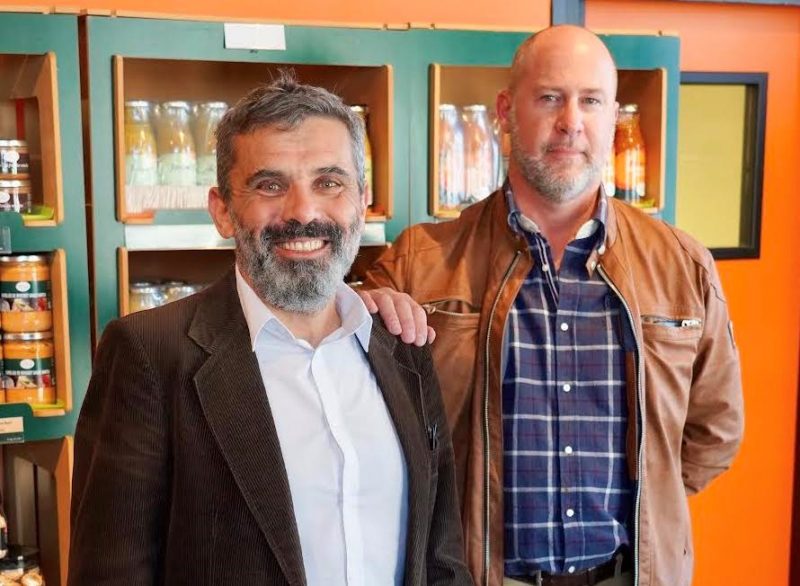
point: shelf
(465, 85)
(29, 111)
(159, 80)
(192, 266)
(37, 489)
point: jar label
(13, 163)
(28, 373)
(141, 169)
(24, 296)
(5, 197)
(177, 169)
(207, 170)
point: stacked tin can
(26, 317)
(15, 178)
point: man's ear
(503, 106)
(218, 209)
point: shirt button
(545, 268)
(567, 387)
(568, 450)
(601, 250)
(571, 569)
(564, 326)
(570, 513)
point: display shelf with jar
(166, 112)
(464, 155)
(45, 314)
(31, 182)
(151, 278)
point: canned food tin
(15, 196)
(28, 371)
(15, 161)
(25, 293)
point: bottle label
(207, 170)
(630, 175)
(28, 373)
(24, 296)
(141, 169)
(177, 169)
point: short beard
(551, 185)
(297, 286)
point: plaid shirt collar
(523, 225)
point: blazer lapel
(401, 386)
(234, 401)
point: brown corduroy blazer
(179, 477)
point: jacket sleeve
(715, 419)
(120, 482)
(445, 556)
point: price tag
(267, 37)
(12, 430)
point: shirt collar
(521, 224)
(356, 320)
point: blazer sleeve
(715, 417)
(445, 556)
(121, 475)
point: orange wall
(742, 524)
(516, 14)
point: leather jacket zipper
(670, 322)
(640, 394)
(486, 446)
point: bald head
(564, 42)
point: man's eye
(592, 101)
(329, 184)
(549, 98)
(270, 188)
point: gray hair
(284, 103)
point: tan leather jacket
(683, 382)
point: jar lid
(22, 258)
(629, 108)
(360, 108)
(144, 288)
(138, 104)
(475, 108)
(15, 183)
(13, 143)
(213, 105)
(28, 336)
(177, 104)
(447, 107)
(20, 557)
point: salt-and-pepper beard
(297, 286)
(548, 182)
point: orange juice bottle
(630, 159)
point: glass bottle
(609, 185)
(177, 162)
(451, 157)
(478, 154)
(141, 161)
(363, 112)
(630, 158)
(206, 119)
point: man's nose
(570, 120)
(299, 204)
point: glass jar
(177, 160)
(478, 154)
(21, 566)
(141, 162)
(28, 368)
(2, 377)
(451, 157)
(206, 119)
(629, 168)
(363, 113)
(25, 287)
(178, 290)
(145, 295)
(16, 196)
(15, 160)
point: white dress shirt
(344, 461)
